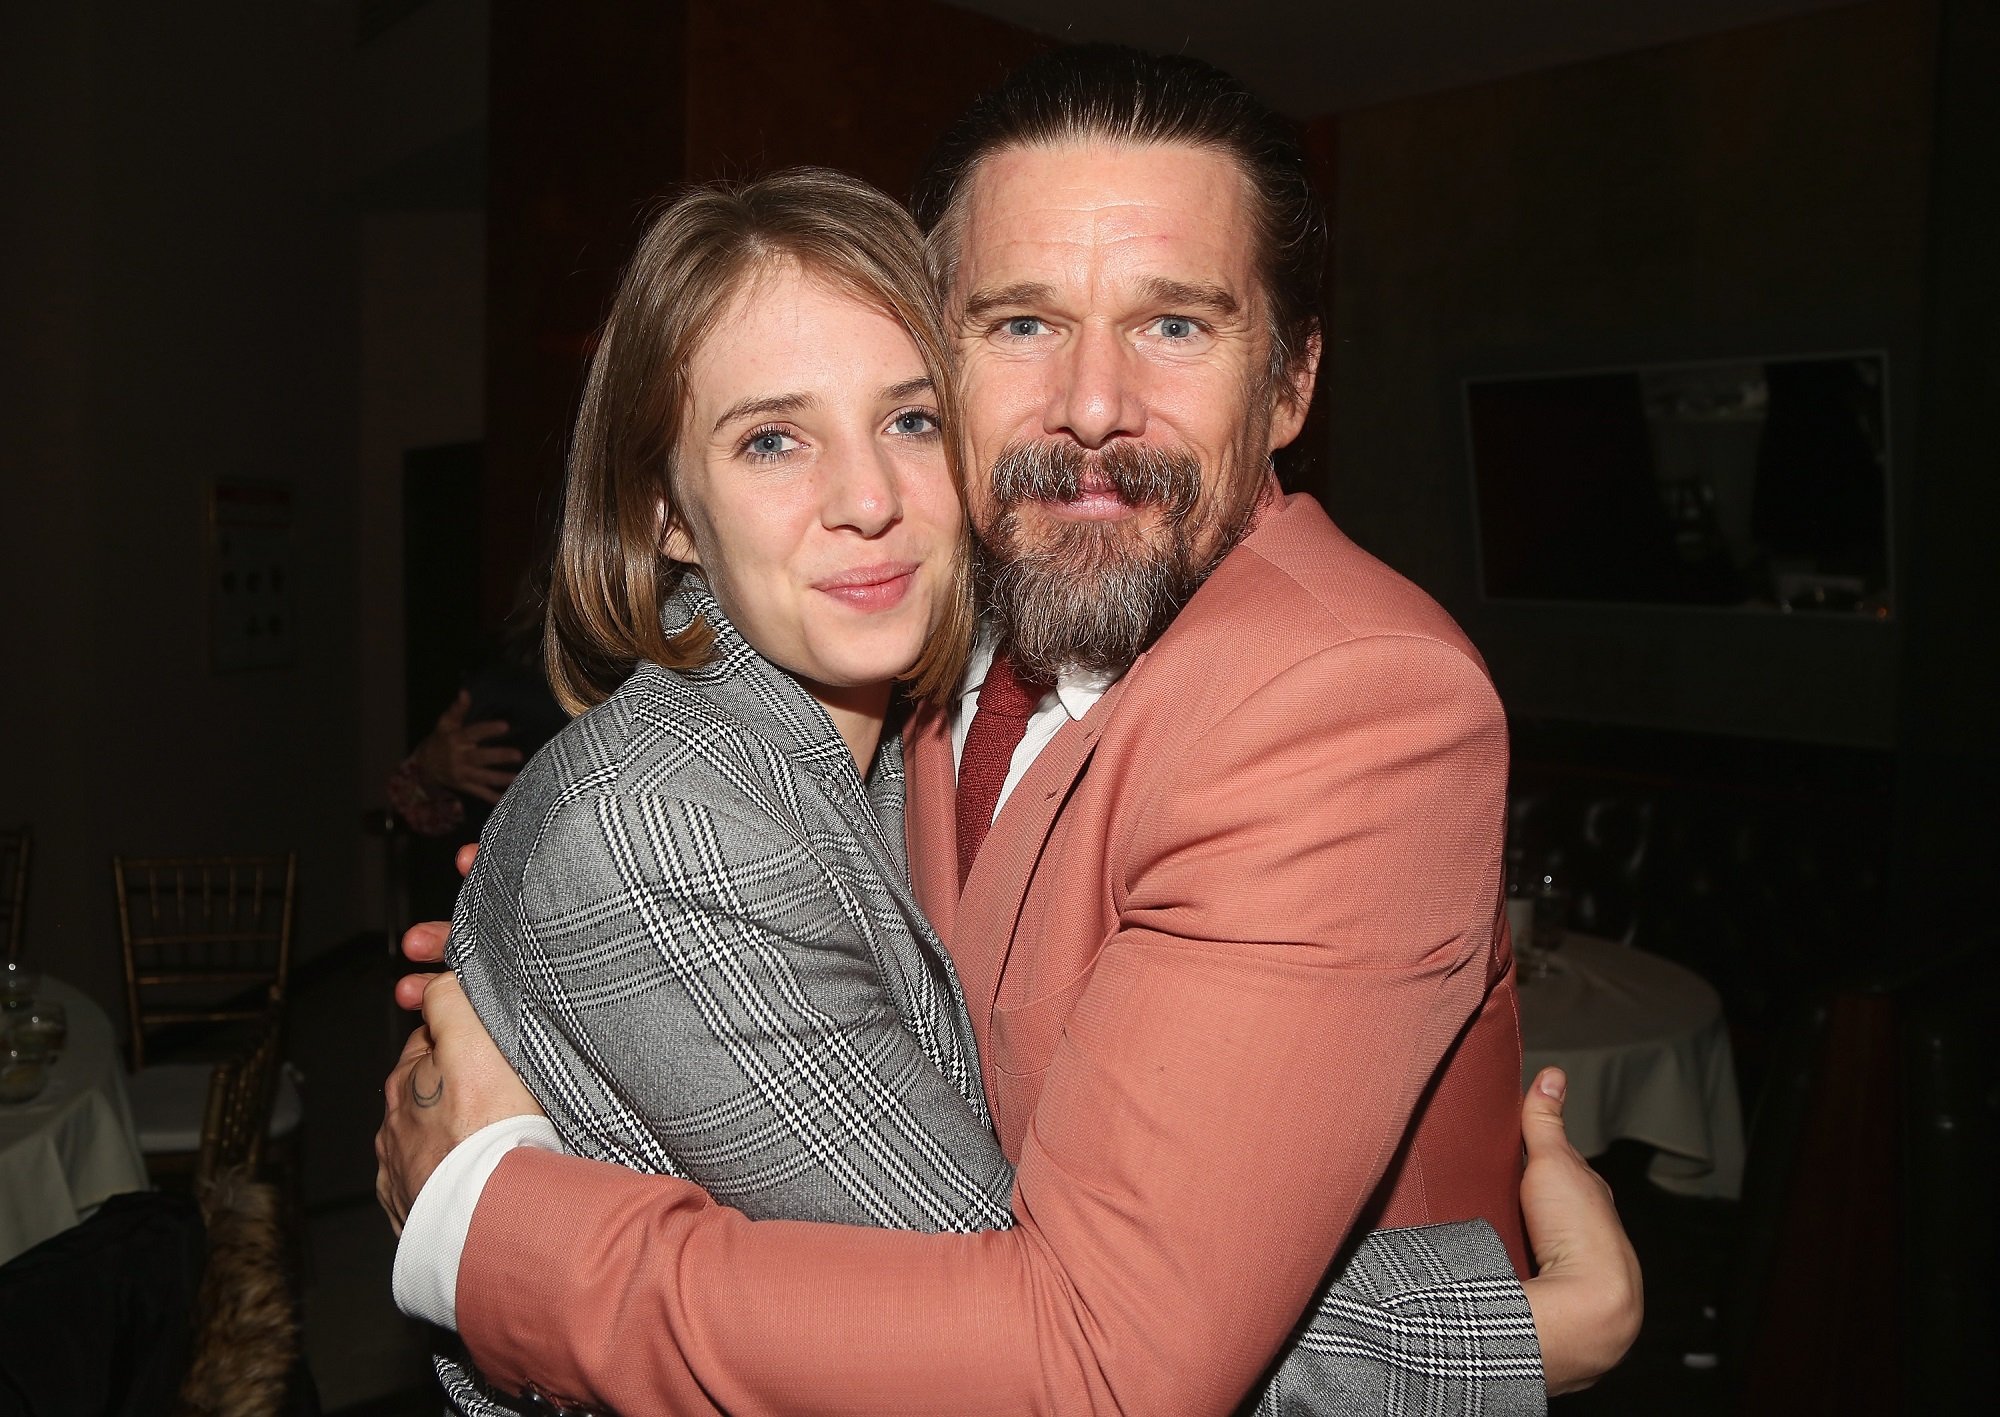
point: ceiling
(1321, 56)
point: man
(1227, 816)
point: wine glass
(23, 1074)
(18, 983)
(45, 1024)
(1551, 920)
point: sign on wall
(250, 573)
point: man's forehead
(1162, 204)
(1108, 169)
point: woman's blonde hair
(610, 576)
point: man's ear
(1294, 395)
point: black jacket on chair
(100, 1319)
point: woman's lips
(877, 587)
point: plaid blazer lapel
(740, 679)
(757, 691)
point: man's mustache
(1055, 470)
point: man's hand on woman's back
(1586, 1295)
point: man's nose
(1097, 395)
(862, 493)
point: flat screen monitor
(1741, 484)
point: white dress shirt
(440, 1219)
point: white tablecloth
(1648, 1058)
(73, 1147)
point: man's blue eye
(1023, 325)
(1175, 327)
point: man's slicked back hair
(1111, 93)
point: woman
(689, 927)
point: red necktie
(1005, 703)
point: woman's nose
(863, 495)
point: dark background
(361, 249)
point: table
(73, 1147)
(1648, 1058)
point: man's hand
(1587, 1296)
(450, 1082)
(423, 943)
(456, 754)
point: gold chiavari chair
(14, 847)
(241, 1093)
(207, 943)
(246, 1317)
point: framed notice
(250, 575)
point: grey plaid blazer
(690, 930)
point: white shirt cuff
(440, 1219)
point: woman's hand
(1587, 1296)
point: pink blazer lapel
(987, 912)
(930, 819)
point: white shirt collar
(1077, 690)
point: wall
(423, 309)
(1757, 192)
(418, 164)
(585, 131)
(868, 86)
(180, 310)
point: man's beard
(1093, 595)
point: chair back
(14, 847)
(207, 939)
(240, 1093)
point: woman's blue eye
(914, 423)
(770, 443)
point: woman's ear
(679, 546)
(675, 543)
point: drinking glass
(23, 1075)
(18, 983)
(1551, 919)
(45, 1023)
